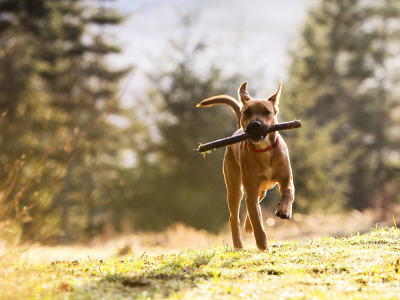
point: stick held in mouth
(244, 136)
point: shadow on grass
(176, 274)
(173, 274)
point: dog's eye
(247, 112)
(266, 112)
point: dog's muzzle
(257, 131)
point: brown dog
(255, 165)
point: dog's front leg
(284, 210)
(233, 183)
(254, 211)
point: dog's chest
(267, 179)
(267, 172)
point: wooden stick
(244, 136)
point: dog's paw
(238, 245)
(282, 214)
(263, 247)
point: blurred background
(99, 130)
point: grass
(357, 267)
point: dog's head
(257, 114)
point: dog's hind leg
(233, 183)
(254, 211)
(247, 226)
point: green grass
(358, 267)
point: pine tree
(379, 122)
(321, 166)
(60, 107)
(24, 141)
(340, 74)
(323, 76)
(174, 182)
(84, 95)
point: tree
(58, 120)
(319, 91)
(379, 122)
(25, 144)
(174, 183)
(84, 95)
(338, 76)
(321, 166)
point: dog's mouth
(257, 139)
(257, 131)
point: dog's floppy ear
(243, 94)
(275, 98)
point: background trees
(63, 161)
(56, 93)
(174, 183)
(379, 122)
(340, 79)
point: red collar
(274, 145)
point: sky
(243, 37)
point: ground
(361, 266)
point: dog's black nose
(255, 129)
(255, 124)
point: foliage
(361, 266)
(63, 172)
(320, 165)
(378, 120)
(174, 182)
(56, 93)
(341, 81)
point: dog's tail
(223, 99)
